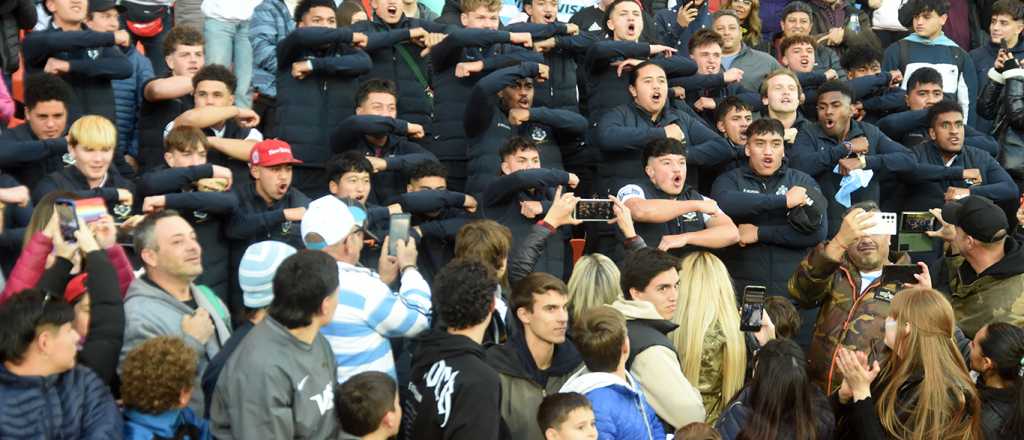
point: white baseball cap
(329, 220)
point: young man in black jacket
(230, 130)
(318, 67)
(39, 146)
(269, 207)
(762, 197)
(838, 146)
(949, 168)
(519, 197)
(500, 106)
(458, 62)
(622, 132)
(397, 57)
(86, 59)
(457, 396)
(92, 141)
(376, 132)
(670, 214)
(607, 60)
(707, 89)
(199, 192)
(560, 54)
(437, 215)
(165, 97)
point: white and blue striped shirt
(369, 313)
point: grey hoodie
(275, 386)
(150, 312)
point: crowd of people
(322, 219)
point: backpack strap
(218, 305)
(416, 71)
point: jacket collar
(667, 116)
(856, 130)
(73, 173)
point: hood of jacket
(1011, 264)
(640, 310)
(585, 382)
(513, 358)
(436, 344)
(163, 425)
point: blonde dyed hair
(93, 132)
(706, 298)
(928, 347)
(594, 282)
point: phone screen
(592, 210)
(917, 222)
(899, 274)
(67, 219)
(752, 308)
(398, 229)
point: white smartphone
(885, 223)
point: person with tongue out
(669, 212)
(838, 145)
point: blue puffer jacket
(142, 426)
(128, 99)
(621, 410)
(75, 404)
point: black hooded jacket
(456, 395)
(997, 408)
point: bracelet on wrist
(406, 267)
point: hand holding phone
(398, 230)
(67, 219)
(900, 274)
(752, 308)
(593, 210)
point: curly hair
(155, 373)
(468, 285)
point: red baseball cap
(75, 288)
(272, 152)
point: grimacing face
(667, 172)
(650, 91)
(626, 22)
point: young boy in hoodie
(156, 385)
(455, 394)
(621, 410)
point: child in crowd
(567, 416)
(367, 406)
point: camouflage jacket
(997, 294)
(857, 321)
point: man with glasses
(369, 311)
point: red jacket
(32, 263)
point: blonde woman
(91, 143)
(923, 391)
(594, 282)
(711, 347)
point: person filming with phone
(373, 312)
(985, 264)
(843, 277)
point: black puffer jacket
(997, 407)
(559, 91)
(15, 15)
(309, 109)
(414, 105)
(1002, 101)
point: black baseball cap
(978, 217)
(104, 5)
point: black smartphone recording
(752, 308)
(592, 210)
(67, 219)
(900, 274)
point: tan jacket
(657, 368)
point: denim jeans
(228, 44)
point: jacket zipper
(857, 296)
